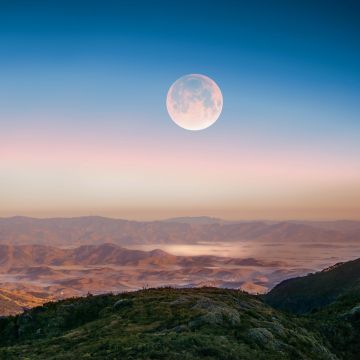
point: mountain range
(96, 230)
(51, 259)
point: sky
(84, 128)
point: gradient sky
(84, 128)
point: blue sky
(285, 52)
(288, 70)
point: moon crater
(194, 102)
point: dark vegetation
(203, 323)
(339, 323)
(331, 301)
(307, 294)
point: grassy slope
(184, 324)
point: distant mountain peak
(196, 220)
(159, 252)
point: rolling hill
(110, 254)
(16, 301)
(204, 323)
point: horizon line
(178, 218)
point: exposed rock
(180, 328)
(216, 313)
(261, 336)
(182, 300)
(122, 303)
(355, 310)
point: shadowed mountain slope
(305, 294)
(331, 299)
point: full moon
(194, 102)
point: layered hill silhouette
(97, 230)
(202, 323)
(40, 255)
(48, 272)
(12, 256)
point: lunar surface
(194, 102)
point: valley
(252, 256)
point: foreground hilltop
(204, 323)
(201, 323)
